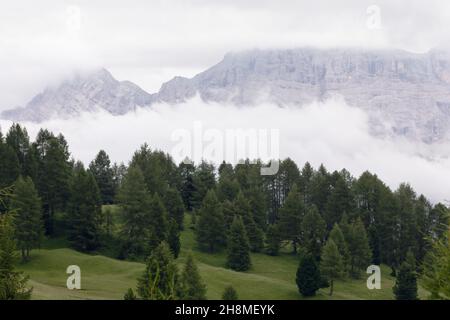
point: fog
(331, 133)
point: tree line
(336, 223)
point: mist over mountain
(405, 94)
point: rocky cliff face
(82, 93)
(405, 94)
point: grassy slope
(106, 278)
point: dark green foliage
(338, 238)
(134, 200)
(273, 240)
(191, 287)
(174, 238)
(13, 284)
(358, 246)
(238, 249)
(84, 211)
(340, 199)
(203, 181)
(174, 206)
(313, 231)
(187, 189)
(230, 294)
(227, 189)
(331, 263)
(406, 283)
(291, 216)
(210, 227)
(9, 166)
(255, 234)
(104, 176)
(308, 276)
(158, 220)
(160, 280)
(28, 225)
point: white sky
(149, 42)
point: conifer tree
(406, 283)
(210, 228)
(273, 240)
(313, 230)
(230, 294)
(203, 180)
(331, 263)
(359, 249)
(13, 284)
(84, 211)
(291, 214)
(174, 238)
(160, 280)
(28, 225)
(254, 233)
(238, 257)
(174, 206)
(158, 220)
(192, 287)
(337, 236)
(308, 276)
(100, 167)
(129, 295)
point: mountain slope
(405, 94)
(82, 93)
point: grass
(106, 278)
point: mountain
(86, 92)
(404, 93)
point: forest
(334, 224)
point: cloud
(331, 133)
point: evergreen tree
(227, 189)
(331, 263)
(17, 138)
(84, 211)
(203, 181)
(340, 199)
(187, 189)
(406, 283)
(291, 214)
(273, 240)
(104, 176)
(160, 280)
(174, 206)
(210, 228)
(158, 220)
(320, 188)
(358, 246)
(308, 276)
(28, 217)
(9, 166)
(13, 284)
(192, 287)
(174, 238)
(338, 238)
(134, 200)
(254, 233)
(436, 273)
(238, 257)
(313, 230)
(230, 294)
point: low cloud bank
(331, 133)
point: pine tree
(291, 214)
(9, 166)
(84, 211)
(227, 189)
(174, 238)
(308, 276)
(313, 230)
(192, 287)
(17, 138)
(104, 176)
(238, 257)
(158, 220)
(174, 206)
(230, 294)
(337, 236)
(160, 280)
(210, 228)
(255, 234)
(359, 249)
(28, 223)
(331, 263)
(406, 283)
(203, 180)
(134, 201)
(273, 240)
(13, 284)
(340, 199)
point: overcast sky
(149, 42)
